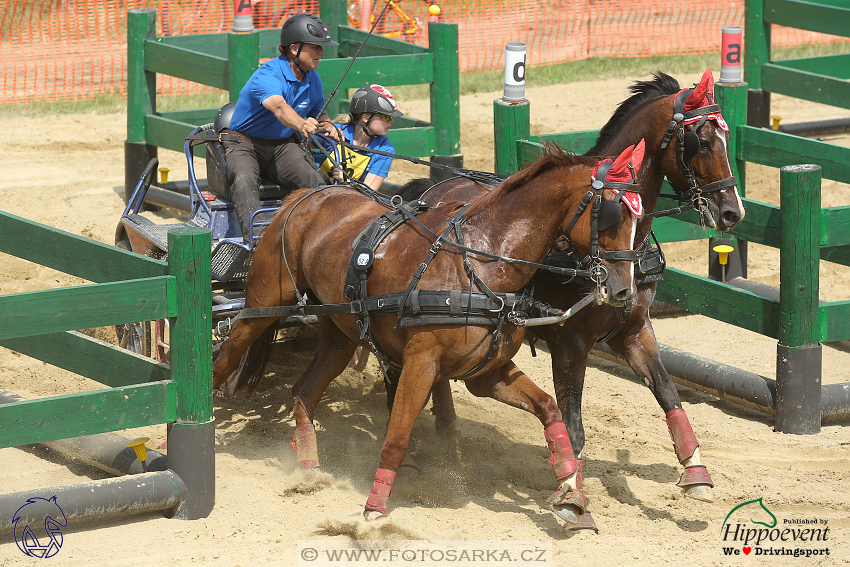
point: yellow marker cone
(723, 251)
(163, 173)
(776, 120)
(138, 446)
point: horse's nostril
(730, 217)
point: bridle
(603, 214)
(687, 144)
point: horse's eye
(704, 146)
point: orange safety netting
(69, 50)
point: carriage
(231, 252)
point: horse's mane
(552, 156)
(414, 188)
(661, 85)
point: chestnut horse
(308, 247)
(645, 115)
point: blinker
(691, 146)
(610, 214)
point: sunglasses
(384, 118)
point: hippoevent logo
(37, 512)
(750, 528)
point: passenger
(371, 115)
(277, 108)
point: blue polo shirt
(275, 77)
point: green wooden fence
(226, 61)
(127, 287)
(819, 79)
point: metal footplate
(230, 261)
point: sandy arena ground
(67, 172)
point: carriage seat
(217, 166)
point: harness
(688, 144)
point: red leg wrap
(696, 474)
(684, 440)
(381, 490)
(562, 458)
(306, 448)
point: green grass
(586, 70)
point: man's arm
(287, 116)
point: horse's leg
(640, 348)
(443, 408)
(511, 386)
(416, 380)
(332, 356)
(569, 350)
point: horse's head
(616, 207)
(695, 156)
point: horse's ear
(637, 155)
(705, 86)
(620, 164)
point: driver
(277, 108)
(371, 115)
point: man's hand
(331, 129)
(308, 127)
(336, 173)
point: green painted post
(445, 95)
(141, 97)
(511, 122)
(191, 439)
(243, 54)
(756, 54)
(334, 13)
(733, 105)
(798, 354)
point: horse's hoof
(585, 522)
(317, 476)
(372, 515)
(567, 512)
(409, 462)
(701, 492)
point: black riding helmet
(305, 28)
(374, 99)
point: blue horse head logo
(32, 513)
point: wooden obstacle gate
(818, 79)
(139, 391)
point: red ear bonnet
(620, 170)
(698, 98)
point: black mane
(662, 84)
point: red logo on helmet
(384, 92)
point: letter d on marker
(514, 72)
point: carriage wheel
(135, 337)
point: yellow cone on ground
(163, 173)
(138, 446)
(723, 250)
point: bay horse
(695, 161)
(307, 249)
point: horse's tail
(253, 364)
(415, 188)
